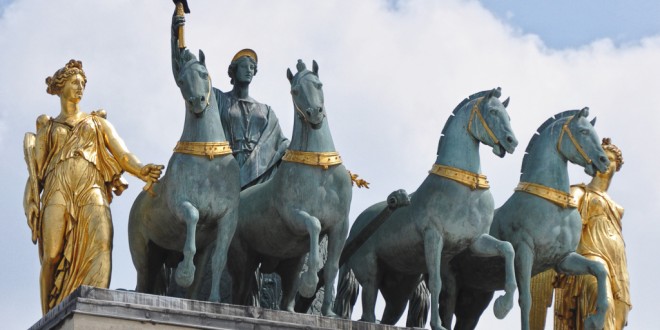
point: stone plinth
(94, 308)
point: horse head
(490, 123)
(579, 143)
(307, 93)
(194, 81)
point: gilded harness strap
(475, 109)
(323, 159)
(561, 198)
(470, 179)
(208, 149)
(575, 143)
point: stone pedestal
(94, 308)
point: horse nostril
(320, 109)
(509, 139)
(603, 159)
(309, 113)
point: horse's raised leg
(575, 264)
(524, 260)
(226, 229)
(304, 221)
(185, 271)
(433, 244)
(488, 246)
(336, 238)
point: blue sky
(391, 79)
(573, 23)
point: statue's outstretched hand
(151, 172)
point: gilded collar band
(208, 149)
(470, 179)
(323, 159)
(561, 198)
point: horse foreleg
(489, 246)
(336, 239)
(433, 244)
(289, 271)
(523, 263)
(304, 221)
(575, 264)
(185, 271)
(226, 229)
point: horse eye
(179, 82)
(319, 85)
(204, 75)
(584, 131)
(294, 92)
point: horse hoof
(308, 283)
(502, 306)
(329, 313)
(184, 276)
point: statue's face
(244, 71)
(73, 88)
(612, 167)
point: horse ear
(497, 92)
(202, 58)
(593, 121)
(315, 67)
(584, 112)
(289, 75)
(506, 102)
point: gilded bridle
(566, 130)
(475, 109)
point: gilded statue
(601, 241)
(75, 162)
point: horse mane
(549, 122)
(460, 106)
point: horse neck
(204, 128)
(543, 164)
(305, 138)
(457, 147)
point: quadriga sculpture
(540, 220)
(280, 221)
(451, 211)
(196, 202)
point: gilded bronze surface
(75, 162)
(322, 159)
(207, 149)
(556, 196)
(601, 241)
(470, 179)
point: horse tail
(419, 306)
(347, 293)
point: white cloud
(391, 79)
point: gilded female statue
(75, 162)
(602, 241)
